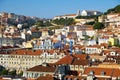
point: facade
(25, 59)
(90, 13)
(92, 73)
(93, 49)
(46, 44)
(103, 39)
(113, 19)
(40, 70)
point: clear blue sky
(51, 8)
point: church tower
(78, 13)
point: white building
(90, 13)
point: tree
(4, 72)
(86, 17)
(117, 9)
(39, 23)
(13, 73)
(66, 21)
(98, 25)
(90, 23)
(21, 73)
(113, 10)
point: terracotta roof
(80, 62)
(98, 71)
(41, 68)
(73, 77)
(80, 56)
(93, 46)
(103, 78)
(46, 78)
(66, 60)
(26, 52)
(116, 73)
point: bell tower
(78, 13)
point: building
(113, 19)
(92, 73)
(68, 16)
(90, 13)
(40, 70)
(93, 49)
(22, 59)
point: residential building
(113, 20)
(93, 49)
(92, 73)
(40, 70)
(22, 59)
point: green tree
(47, 23)
(90, 23)
(62, 21)
(113, 10)
(98, 25)
(117, 9)
(39, 23)
(12, 72)
(21, 73)
(4, 72)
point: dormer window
(102, 73)
(91, 73)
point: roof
(80, 56)
(47, 77)
(66, 60)
(73, 77)
(75, 73)
(26, 52)
(91, 11)
(80, 62)
(98, 71)
(116, 73)
(41, 68)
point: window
(91, 73)
(102, 73)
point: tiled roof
(98, 71)
(80, 62)
(71, 77)
(46, 78)
(26, 52)
(93, 46)
(80, 56)
(66, 60)
(41, 68)
(116, 73)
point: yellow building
(112, 41)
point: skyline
(51, 8)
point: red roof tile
(41, 68)
(98, 71)
(66, 60)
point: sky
(51, 8)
